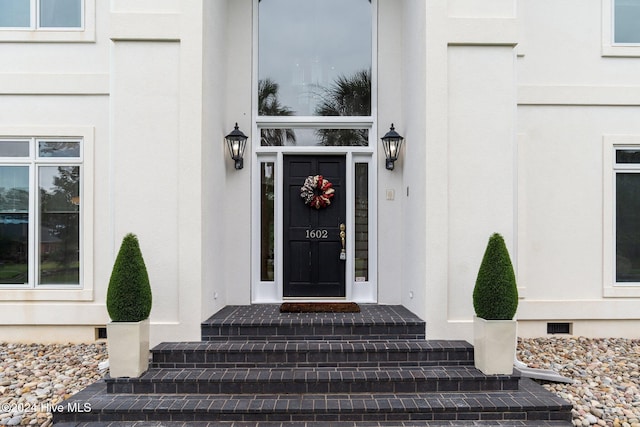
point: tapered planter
(494, 343)
(128, 346)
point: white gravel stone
(30, 378)
(607, 380)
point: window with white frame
(41, 14)
(40, 212)
(627, 215)
(626, 21)
(621, 28)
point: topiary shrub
(495, 295)
(129, 292)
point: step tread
(358, 353)
(269, 374)
(530, 398)
(398, 423)
(243, 346)
(269, 315)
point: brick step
(405, 379)
(415, 423)
(265, 322)
(530, 403)
(235, 354)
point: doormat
(319, 307)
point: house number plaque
(317, 234)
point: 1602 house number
(317, 234)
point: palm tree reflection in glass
(348, 96)
(269, 105)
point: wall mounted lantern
(391, 142)
(236, 141)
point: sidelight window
(267, 216)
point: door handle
(343, 238)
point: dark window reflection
(58, 149)
(362, 222)
(627, 227)
(314, 137)
(59, 224)
(14, 224)
(267, 212)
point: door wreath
(317, 191)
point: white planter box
(494, 343)
(128, 346)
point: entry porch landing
(257, 366)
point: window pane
(14, 148)
(14, 224)
(61, 13)
(627, 227)
(628, 156)
(314, 137)
(15, 13)
(314, 57)
(362, 222)
(267, 247)
(59, 149)
(59, 224)
(627, 21)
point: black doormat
(319, 307)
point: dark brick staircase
(256, 366)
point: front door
(314, 261)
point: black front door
(313, 265)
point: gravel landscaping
(34, 378)
(606, 388)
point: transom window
(314, 58)
(36, 14)
(40, 212)
(626, 21)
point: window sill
(630, 51)
(622, 291)
(47, 36)
(46, 294)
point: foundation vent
(101, 333)
(559, 328)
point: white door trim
(272, 291)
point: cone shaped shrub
(495, 296)
(129, 293)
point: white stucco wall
(390, 110)
(465, 163)
(571, 96)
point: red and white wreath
(317, 192)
